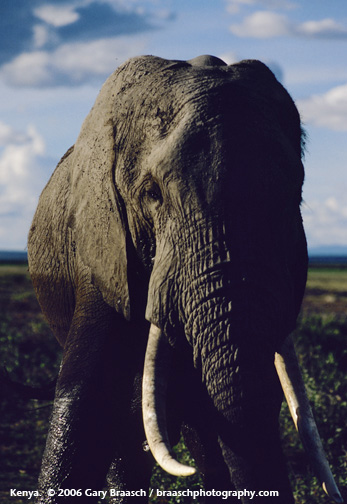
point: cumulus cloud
(42, 36)
(268, 24)
(262, 24)
(53, 28)
(326, 221)
(229, 57)
(9, 135)
(22, 176)
(17, 163)
(234, 6)
(326, 110)
(71, 64)
(325, 28)
(57, 15)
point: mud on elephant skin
(176, 214)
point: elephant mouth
(155, 379)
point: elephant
(168, 255)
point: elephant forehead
(190, 154)
(190, 136)
(190, 121)
(160, 142)
(184, 106)
(147, 94)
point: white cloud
(327, 28)
(42, 35)
(28, 69)
(234, 6)
(16, 165)
(57, 15)
(326, 221)
(9, 135)
(262, 24)
(21, 179)
(268, 24)
(73, 63)
(326, 110)
(230, 57)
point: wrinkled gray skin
(178, 205)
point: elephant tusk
(154, 385)
(289, 373)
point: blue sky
(55, 55)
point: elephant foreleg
(252, 451)
(80, 441)
(93, 422)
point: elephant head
(180, 204)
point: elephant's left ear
(96, 215)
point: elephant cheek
(160, 309)
(162, 301)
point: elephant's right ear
(97, 216)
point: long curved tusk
(289, 373)
(154, 385)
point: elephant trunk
(234, 322)
(154, 401)
(235, 319)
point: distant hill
(325, 251)
(10, 256)
(328, 250)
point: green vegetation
(32, 356)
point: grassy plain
(32, 356)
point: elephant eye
(154, 193)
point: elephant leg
(240, 450)
(201, 438)
(80, 439)
(203, 446)
(131, 468)
(130, 473)
(92, 407)
(250, 440)
(255, 460)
